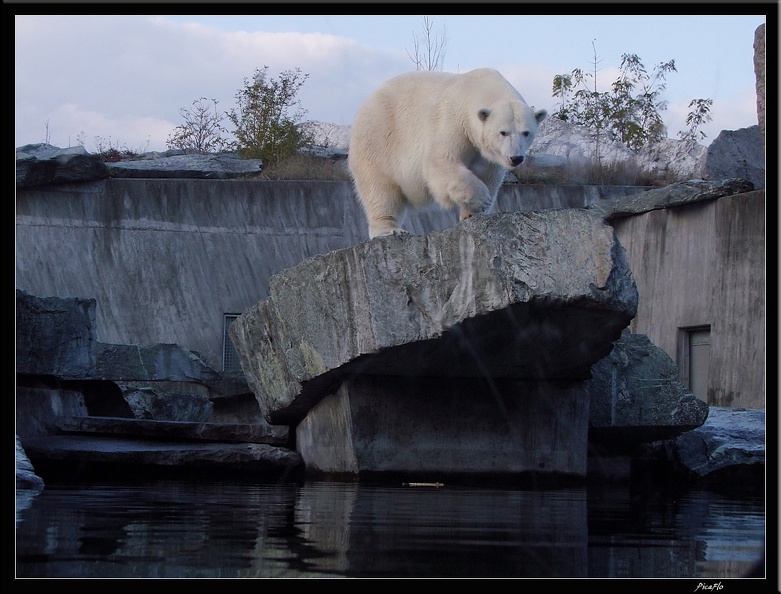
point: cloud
(130, 76)
(732, 113)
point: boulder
(329, 136)
(673, 158)
(737, 154)
(46, 165)
(37, 410)
(729, 448)
(55, 336)
(528, 295)
(636, 396)
(759, 73)
(167, 401)
(559, 142)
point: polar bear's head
(507, 131)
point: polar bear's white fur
(426, 137)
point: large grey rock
(731, 443)
(737, 154)
(636, 396)
(44, 165)
(329, 136)
(164, 401)
(759, 73)
(37, 410)
(154, 165)
(674, 159)
(559, 142)
(55, 336)
(526, 295)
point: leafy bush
(265, 126)
(631, 110)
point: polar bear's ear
(540, 115)
(483, 114)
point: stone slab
(215, 432)
(252, 457)
(526, 295)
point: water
(196, 529)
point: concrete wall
(704, 265)
(166, 259)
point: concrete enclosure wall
(702, 267)
(167, 259)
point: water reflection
(430, 532)
(331, 529)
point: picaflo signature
(713, 587)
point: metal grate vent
(230, 358)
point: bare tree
(202, 131)
(431, 56)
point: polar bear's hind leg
(384, 205)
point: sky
(123, 80)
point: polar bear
(429, 136)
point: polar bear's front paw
(466, 212)
(387, 231)
(476, 205)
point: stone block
(55, 336)
(437, 426)
(37, 410)
(737, 154)
(636, 396)
(760, 74)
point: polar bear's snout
(516, 160)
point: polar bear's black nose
(516, 161)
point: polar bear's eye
(504, 133)
(526, 133)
